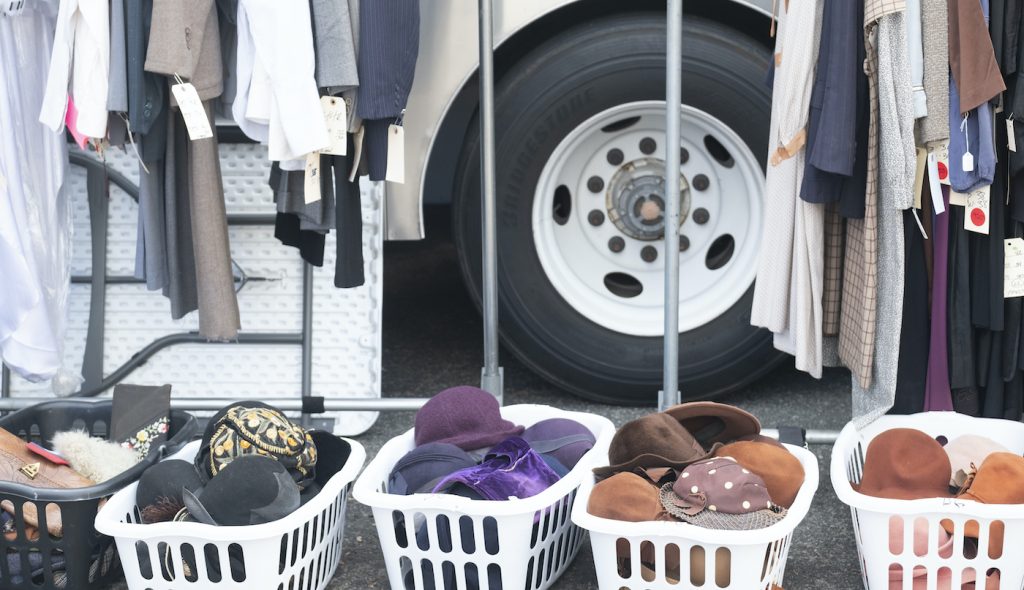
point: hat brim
(711, 422)
(894, 493)
(709, 519)
(650, 460)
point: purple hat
(511, 470)
(561, 438)
(421, 468)
(466, 417)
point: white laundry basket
(872, 517)
(300, 551)
(707, 558)
(516, 544)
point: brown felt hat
(782, 472)
(905, 464)
(655, 440)
(1000, 480)
(627, 497)
(711, 422)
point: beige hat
(967, 450)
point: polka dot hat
(720, 493)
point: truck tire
(580, 128)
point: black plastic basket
(89, 558)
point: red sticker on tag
(977, 217)
(943, 171)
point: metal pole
(307, 334)
(491, 377)
(669, 395)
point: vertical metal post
(669, 394)
(307, 335)
(5, 377)
(491, 377)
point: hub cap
(598, 218)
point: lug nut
(595, 218)
(684, 156)
(649, 254)
(615, 156)
(648, 145)
(616, 244)
(684, 243)
(595, 184)
(701, 216)
(701, 182)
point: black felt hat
(161, 489)
(252, 489)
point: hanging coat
(788, 291)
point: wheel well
(440, 177)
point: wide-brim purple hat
(465, 416)
(564, 439)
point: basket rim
(365, 492)
(108, 519)
(103, 489)
(951, 508)
(689, 532)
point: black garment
(348, 263)
(960, 330)
(912, 370)
(309, 243)
(147, 92)
(837, 134)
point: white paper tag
(941, 151)
(336, 117)
(357, 141)
(976, 216)
(968, 163)
(957, 199)
(311, 191)
(1013, 268)
(1011, 135)
(934, 183)
(922, 164)
(192, 111)
(396, 154)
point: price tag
(396, 154)
(958, 199)
(1011, 135)
(935, 182)
(976, 216)
(922, 165)
(192, 111)
(357, 141)
(968, 163)
(336, 117)
(941, 152)
(311, 192)
(1013, 268)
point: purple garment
(511, 470)
(977, 133)
(937, 395)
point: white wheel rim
(577, 256)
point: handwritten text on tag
(311, 186)
(1013, 268)
(976, 215)
(192, 111)
(336, 117)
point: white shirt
(81, 54)
(276, 101)
(35, 217)
(915, 48)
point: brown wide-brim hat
(781, 471)
(905, 464)
(999, 480)
(654, 440)
(626, 497)
(711, 422)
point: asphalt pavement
(433, 340)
